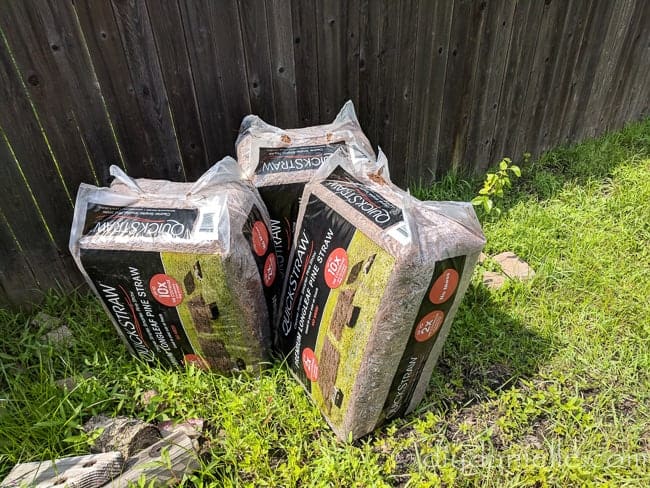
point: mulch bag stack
(373, 282)
(281, 161)
(186, 271)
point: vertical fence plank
(18, 285)
(352, 17)
(371, 12)
(281, 41)
(613, 36)
(430, 72)
(541, 75)
(51, 56)
(216, 52)
(331, 41)
(389, 28)
(489, 79)
(303, 17)
(123, 97)
(140, 51)
(171, 50)
(466, 23)
(32, 259)
(403, 91)
(553, 107)
(516, 79)
(258, 59)
(29, 149)
(565, 84)
(582, 79)
(338, 53)
(631, 64)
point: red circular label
(260, 238)
(444, 287)
(270, 267)
(196, 360)
(429, 325)
(310, 364)
(166, 290)
(336, 267)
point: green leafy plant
(496, 184)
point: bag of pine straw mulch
(374, 280)
(186, 271)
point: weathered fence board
(177, 75)
(160, 87)
(258, 60)
(278, 19)
(305, 51)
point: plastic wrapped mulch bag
(281, 161)
(374, 280)
(187, 271)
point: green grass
(544, 383)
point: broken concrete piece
(493, 280)
(513, 266)
(482, 257)
(74, 472)
(61, 336)
(59, 333)
(123, 434)
(46, 321)
(164, 463)
(71, 382)
(192, 428)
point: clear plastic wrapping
(187, 271)
(374, 280)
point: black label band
(289, 159)
(367, 202)
(139, 222)
(430, 318)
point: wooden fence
(160, 86)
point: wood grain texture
(403, 89)
(255, 34)
(430, 71)
(144, 68)
(489, 75)
(31, 261)
(467, 21)
(177, 75)
(29, 159)
(369, 51)
(160, 88)
(122, 100)
(305, 50)
(388, 76)
(17, 281)
(53, 64)
(214, 39)
(517, 72)
(283, 68)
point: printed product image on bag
(280, 162)
(374, 280)
(187, 272)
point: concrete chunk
(513, 266)
(493, 280)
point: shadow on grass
(487, 350)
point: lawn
(543, 383)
